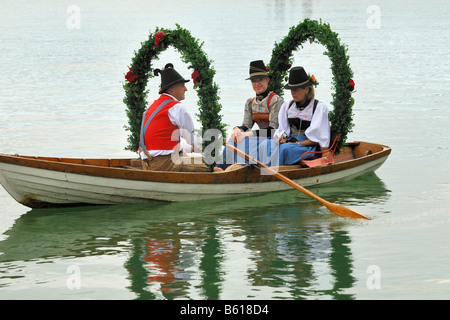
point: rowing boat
(52, 182)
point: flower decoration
(313, 80)
(158, 37)
(195, 76)
(352, 85)
(130, 76)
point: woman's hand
(281, 140)
(237, 136)
(244, 135)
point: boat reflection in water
(273, 246)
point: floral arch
(316, 31)
(141, 70)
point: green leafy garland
(282, 58)
(141, 70)
(209, 108)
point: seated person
(164, 123)
(303, 122)
(262, 109)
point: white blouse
(318, 131)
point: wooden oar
(335, 208)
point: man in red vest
(164, 123)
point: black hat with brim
(258, 70)
(298, 79)
(169, 77)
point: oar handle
(275, 173)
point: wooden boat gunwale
(120, 168)
(50, 181)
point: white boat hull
(29, 184)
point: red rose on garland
(352, 84)
(158, 37)
(195, 76)
(130, 76)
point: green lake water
(61, 95)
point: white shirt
(180, 117)
(318, 131)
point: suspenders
(299, 122)
(145, 126)
(268, 100)
(314, 107)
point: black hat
(258, 70)
(298, 79)
(169, 77)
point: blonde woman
(303, 121)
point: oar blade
(335, 208)
(344, 212)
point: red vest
(158, 135)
